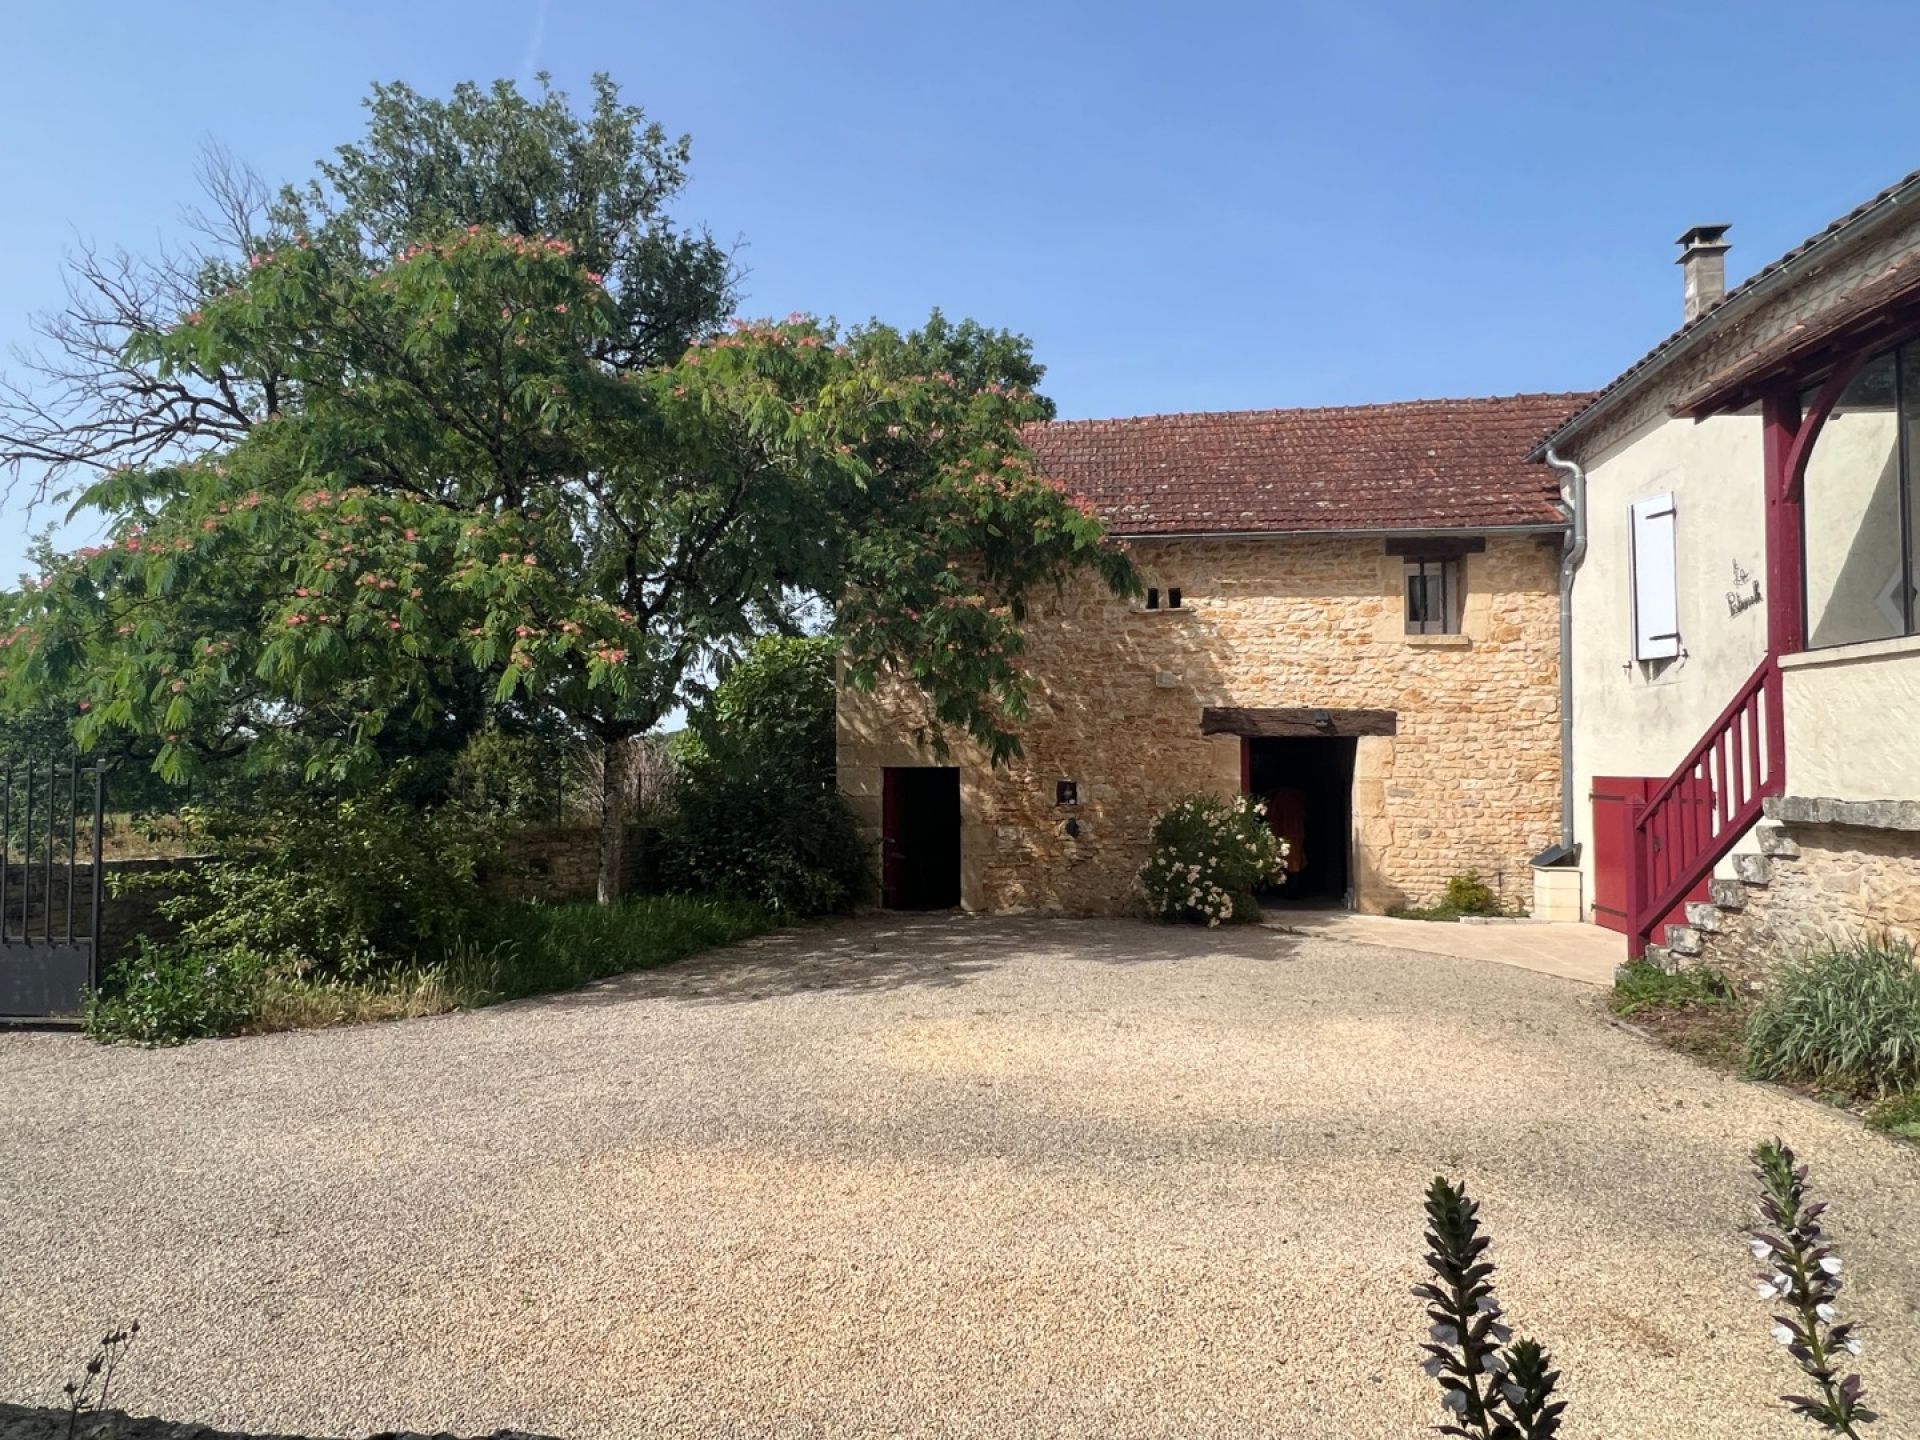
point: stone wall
(1470, 780)
(562, 862)
(1835, 870)
(135, 891)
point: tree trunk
(615, 757)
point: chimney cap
(1704, 237)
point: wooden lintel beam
(1296, 723)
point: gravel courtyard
(933, 1177)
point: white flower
(1761, 1249)
(1784, 1335)
(1851, 1344)
(1825, 1312)
(1433, 1365)
(1831, 1264)
(1443, 1334)
(1456, 1401)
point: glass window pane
(1856, 580)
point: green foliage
(529, 165)
(514, 775)
(977, 358)
(1898, 1114)
(1846, 1019)
(1209, 855)
(1465, 894)
(533, 949)
(172, 992)
(759, 815)
(491, 454)
(1640, 985)
(1468, 894)
(328, 885)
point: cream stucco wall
(1850, 721)
(1640, 718)
(1470, 780)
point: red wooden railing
(1688, 825)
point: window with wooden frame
(1432, 590)
(1433, 580)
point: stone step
(1728, 894)
(1705, 916)
(1660, 958)
(1753, 869)
(1776, 842)
(1685, 940)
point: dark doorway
(920, 837)
(1307, 786)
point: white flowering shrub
(1209, 855)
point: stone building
(1353, 612)
(1745, 623)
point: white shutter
(1656, 591)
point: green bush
(759, 816)
(1641, 985)
(332, 885)
(170, 993)
(1898, 1114)
(1209, 855)
(1846, 1019)
(1468, 894)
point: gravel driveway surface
(931, 1177)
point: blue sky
(1187, 207)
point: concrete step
(1753, 869)
(1776, 842)
(1685, 940)
(1705, 916)
(1728, 894)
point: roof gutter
(1554, 527)
(1741, 300)
(1575, 552)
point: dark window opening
(1173, 598)
(1066, 792)
(1153, 597)
(1433, 596)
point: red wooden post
(1786, 585)
(1776, 732)
(1638, 881)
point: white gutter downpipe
(1574, 552)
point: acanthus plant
(1492, 1386)
(1803, 1276)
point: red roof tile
(1416, 466)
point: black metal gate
(50, 886)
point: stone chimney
(1703, 267)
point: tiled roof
(1416, 466)
(1705, 320)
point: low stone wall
(562, 862)
(128, 912)
(1836, 870)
